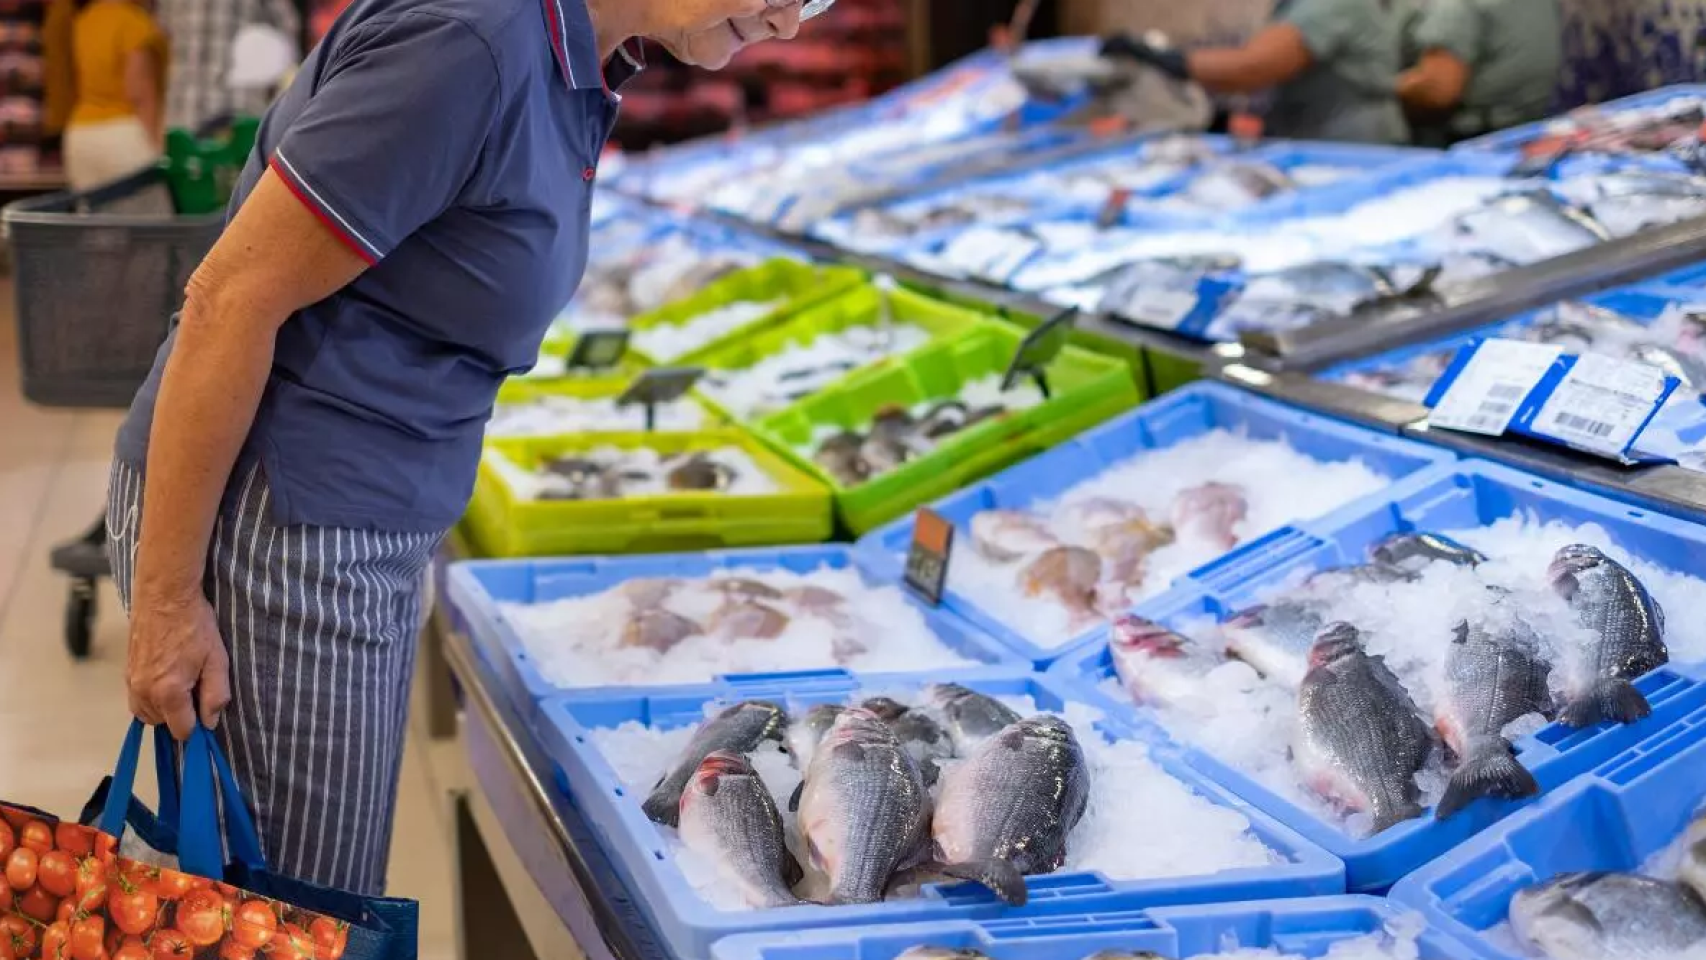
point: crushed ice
(802, 369)
(551, 414)
(641, 472)
(668, 341)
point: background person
(1483, 65)
(202, 33)
(117, 119)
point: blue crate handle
(195, 801)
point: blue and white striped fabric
(321, 625)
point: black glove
(1165, 59)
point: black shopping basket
(96, 286)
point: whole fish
(729, 817)
(1005, 811)
(1692, 872)
(657, 629)
(1157, 665)
(1361, 739)
(1124, 549)
(1124, 955)
(864, 811)
(1493, 676)
(1210, 512)
(1627, 628)
(970, 717)
(1411, 552)
(1609, 916)
(1275, 638)
(887, 709)
(1007, 535)
(940, 953)
(739, 729)
(925, 740)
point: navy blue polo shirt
(452, 144)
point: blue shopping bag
(205, 823)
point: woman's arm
(142, 72)
(1436, 83)
(274, 259)
(1273, 56)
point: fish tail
(1001, 877)
(663, 806)
(1490, 770)
(1607, 699)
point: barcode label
(1601, 404)
(1491, 387)
(1592, 428)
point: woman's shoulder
(491, 20)
(123, 15)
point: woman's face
(708, 33)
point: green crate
(861, 306)
(1085, 388)
(501, 524)
(797, 285)
(593, 387)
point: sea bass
(738, 729)
(729, 817)
(1411, 552)
(940, 953)
(1609, 916)
(1361, 738)
(864, 811)
(1494, 674)
(969, 717)
(1157, 665)
(1006, 811)
(1627, 629)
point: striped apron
(321, 625)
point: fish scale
(1610, 916)
(728, 815)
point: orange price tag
(1111, 125)
(927, 559)
(1244, 127)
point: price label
(1601, 404)
(927, 558)
(1492, 385)
(1113, 208)
(598, 350)
(1039, 348)
(659, 386)
(1163, 309)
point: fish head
(1548, 917)
(718, 764)
(885, 708)
(1335, 642)
(773, 717)
(1135, 634)
(857, 724)
(1572, 561)
(1044, 726)
(943, 694)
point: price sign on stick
(1113, 207)
(660, 386)
(1038, 350)
(598, 350)
(927, 558)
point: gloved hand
(1165, 59)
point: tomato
(8, 840)
(232, 950)
(202, 917)
(16, 817)
(87, 939)
(54, 940)
(19, 933)
(79, 841)
(132, 907)
(67, 910)
(91, 892)
(170, 945)
(6, 896)
(21, 868)
(330, 937)
(172, 884)
(254, 924)
(130, 948)
(38, 904)
(37, 836)
(57, 873)
(291, 942)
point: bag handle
(195, 799)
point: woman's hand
(177, 663)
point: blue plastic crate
(1515, 137)
(1359, 160)
(1181, 415)
(478, 588)
(1642, 302)
(1307, 927)
(1627, 810)
(1471, 493)
(689, 925)
(1694, 276)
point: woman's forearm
(208, 396)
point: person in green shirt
(1330, 65)
(1482, 65)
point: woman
(1483, 65)
(116, 124)
(1329, 63)
(415, 214)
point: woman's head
(708, 33)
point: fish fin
(1607, 700)
(1489, 772)
(930, 772)
(1002, 878)
(660, 807)
(794, 798)
(792, 872)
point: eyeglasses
(811, 8)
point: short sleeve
(394, 131)
(1328, 26)
(138, 31)
(1449, 25)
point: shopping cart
(96, 286)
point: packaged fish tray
(1663, 326)
(1649, 122)
(1596, 869)
(1047, 551)
(1467, 599)
(569, 405)
(733, 307)
(1343, 928)
(938, 419)
(1245, 180)
(637, 766)
(731, 619)
(640, 493)
(866, 327)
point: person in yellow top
(117, 121)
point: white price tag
(1601, 404)
(1486, 394)
(1165, 309)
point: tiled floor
(61, 721)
